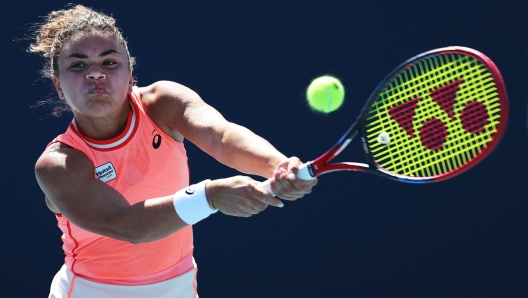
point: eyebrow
(83, 56)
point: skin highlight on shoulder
(152, 100)
(56, 161)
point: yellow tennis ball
(325, 94)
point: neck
(104, 128)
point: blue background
(356, 235)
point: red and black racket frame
(321, 164)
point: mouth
(98, 90)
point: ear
(57, 85)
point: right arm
(66, 177)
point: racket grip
(303, 174)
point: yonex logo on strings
(433, 132)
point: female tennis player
(117, 179)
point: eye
(78, 65)
(109, 63)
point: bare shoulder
(59, 156)
(167, 92)
(60, 163)
(59, 170)
(169, 105)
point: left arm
(178, 107)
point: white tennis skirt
(66, 284)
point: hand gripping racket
(433, 117)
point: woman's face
(94, 75)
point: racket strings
(443, 167)
(440, 114)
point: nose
(95, 74)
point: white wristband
(191, 203)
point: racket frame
(321, 164)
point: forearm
(247, 152)
(158, 218)
(146, 221)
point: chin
(98, 107)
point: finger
(244, 214)
(264, 197)
(244, 209)
(255, 205)
(239, 212)
(295, 187)
(285, 188)
(293, 167)
(300, 184)
(294, 164)
(304, 186)
(269, 200)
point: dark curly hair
(58, 28)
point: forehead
(91, 43)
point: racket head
(443, 111)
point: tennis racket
(432, 118)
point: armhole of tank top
(65, 139)
(136, 97)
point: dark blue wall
(357, 235)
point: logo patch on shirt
(156, 140)
(106, 172)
